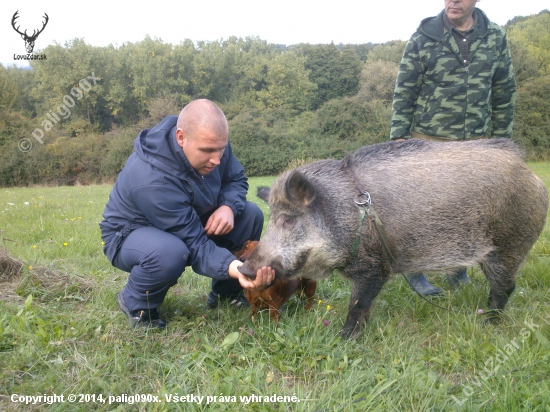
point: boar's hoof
(350, 331)
(493, 316)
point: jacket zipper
(466, 65)
(467, 81)
(209, 191)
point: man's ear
(180, 137)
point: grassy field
(62, 333)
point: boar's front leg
(365, 289)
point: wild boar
(443, 206)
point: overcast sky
(101, 22)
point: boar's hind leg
(500, 274)
(362, 295)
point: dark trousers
(156, 259)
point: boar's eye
(289, 222)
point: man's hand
(264, 276)
(220, 222)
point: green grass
(61, 332)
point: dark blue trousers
(156, 259)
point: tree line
(286, 105)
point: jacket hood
(434, 27)
(158, 147)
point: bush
(119, 146)
(353, 119)
(532, 118)
(378, 81)
(258, 142)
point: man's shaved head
(202, 114)
(202, 132)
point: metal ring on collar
(363, 199)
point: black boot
(148, 318)
(421, 284)
(458, 278)
(236, 300)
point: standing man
(455, 82)
(180, 201)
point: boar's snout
(250, 267)
(245, 270)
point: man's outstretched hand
(264, 276)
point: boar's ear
(299, 189)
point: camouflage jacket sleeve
(407, 88)
(503, 94)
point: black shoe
(421, 284)
(238, 301)
(458, 278)
(141, 318)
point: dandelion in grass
(30, 267)
(65, 244)
(34, 246)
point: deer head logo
(29, 40)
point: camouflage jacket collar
(435, 28)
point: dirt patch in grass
(18, 280)
(10, 268)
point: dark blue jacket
(159, 187)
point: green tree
(67, 72)
(391, 51)
(525, 65)
(232, 68)
(533, 35)
(13, 122)
(362, 50)
(335, 72)
(160, 69)
(378, 81)
(532, 117)
(287, 84)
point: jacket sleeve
(234, 186)
(407, 88)
(169, 208)
(503, 97)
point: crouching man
(180, 201)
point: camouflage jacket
(437, 93)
